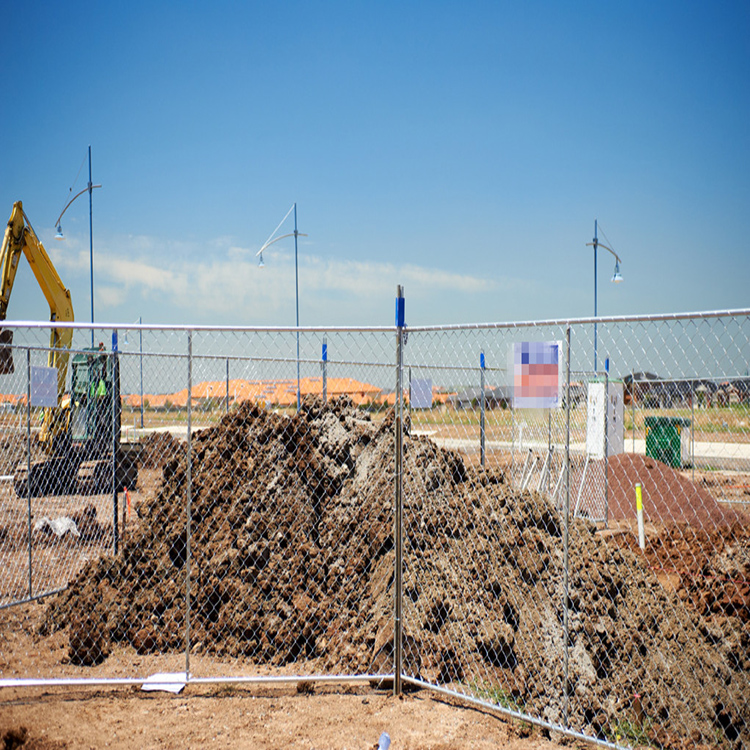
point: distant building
(498, 396)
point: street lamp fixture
(59, 235)
(616, 278)
(270, 241)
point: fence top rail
(644, 318)
(190, 328)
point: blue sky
(462, 150)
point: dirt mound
(159, 448)
(668, 497)
(710, 569)
(13, 450)
(291, 559)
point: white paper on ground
(169, 682)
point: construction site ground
(321, 718)
(33, 642)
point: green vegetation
(631, 732)
(496, 695)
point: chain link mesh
(228, 511)
(532, 586)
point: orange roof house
(277, 392)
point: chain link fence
(550, 519)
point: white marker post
(639, 509)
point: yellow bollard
(639, 510)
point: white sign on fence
(44, 386)
(595, 420)
(421, 393)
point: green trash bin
(664, 439)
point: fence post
(189, 491)
(606, 442)
(692, 428)
(409, 391)
(226, 407)
(28, 460)
(566, 524)
(324, 368)
(632, 402)
(397, 522)
(549, 450)
(140, 349)
(115, 395)
(481, 413)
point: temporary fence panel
(535, 595)
(453, 507)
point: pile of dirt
(159, 448)
(14, 449)
(292, 559)
(668, 496)
(710, 570)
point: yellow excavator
(80, 435)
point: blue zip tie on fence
(400, 312)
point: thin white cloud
(141, 273)
(110, 296)
(231, 284)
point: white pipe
(260, 680)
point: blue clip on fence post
(400, 312)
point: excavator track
(50, 476)
(69, 475)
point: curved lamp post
(59, 236)
(259, 255)
(616, 278)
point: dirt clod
(15, 738)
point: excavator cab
(94, 402)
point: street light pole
(59, 236)
(259, 255)
(140, 349)
(91, 246)
(616, 278)
(596, 245)
(296, 294)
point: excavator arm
(20, 238)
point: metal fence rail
(581, 561)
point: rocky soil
(159, 448)
(292, 562)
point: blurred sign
(421, 394)
(44, 386)
(536, 374)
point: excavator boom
(20, 238)
(81, 434)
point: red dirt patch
(668, 496)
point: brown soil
(158, 449)
(292, 570)
(313, 718)
(14, 449)
(668, 495)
